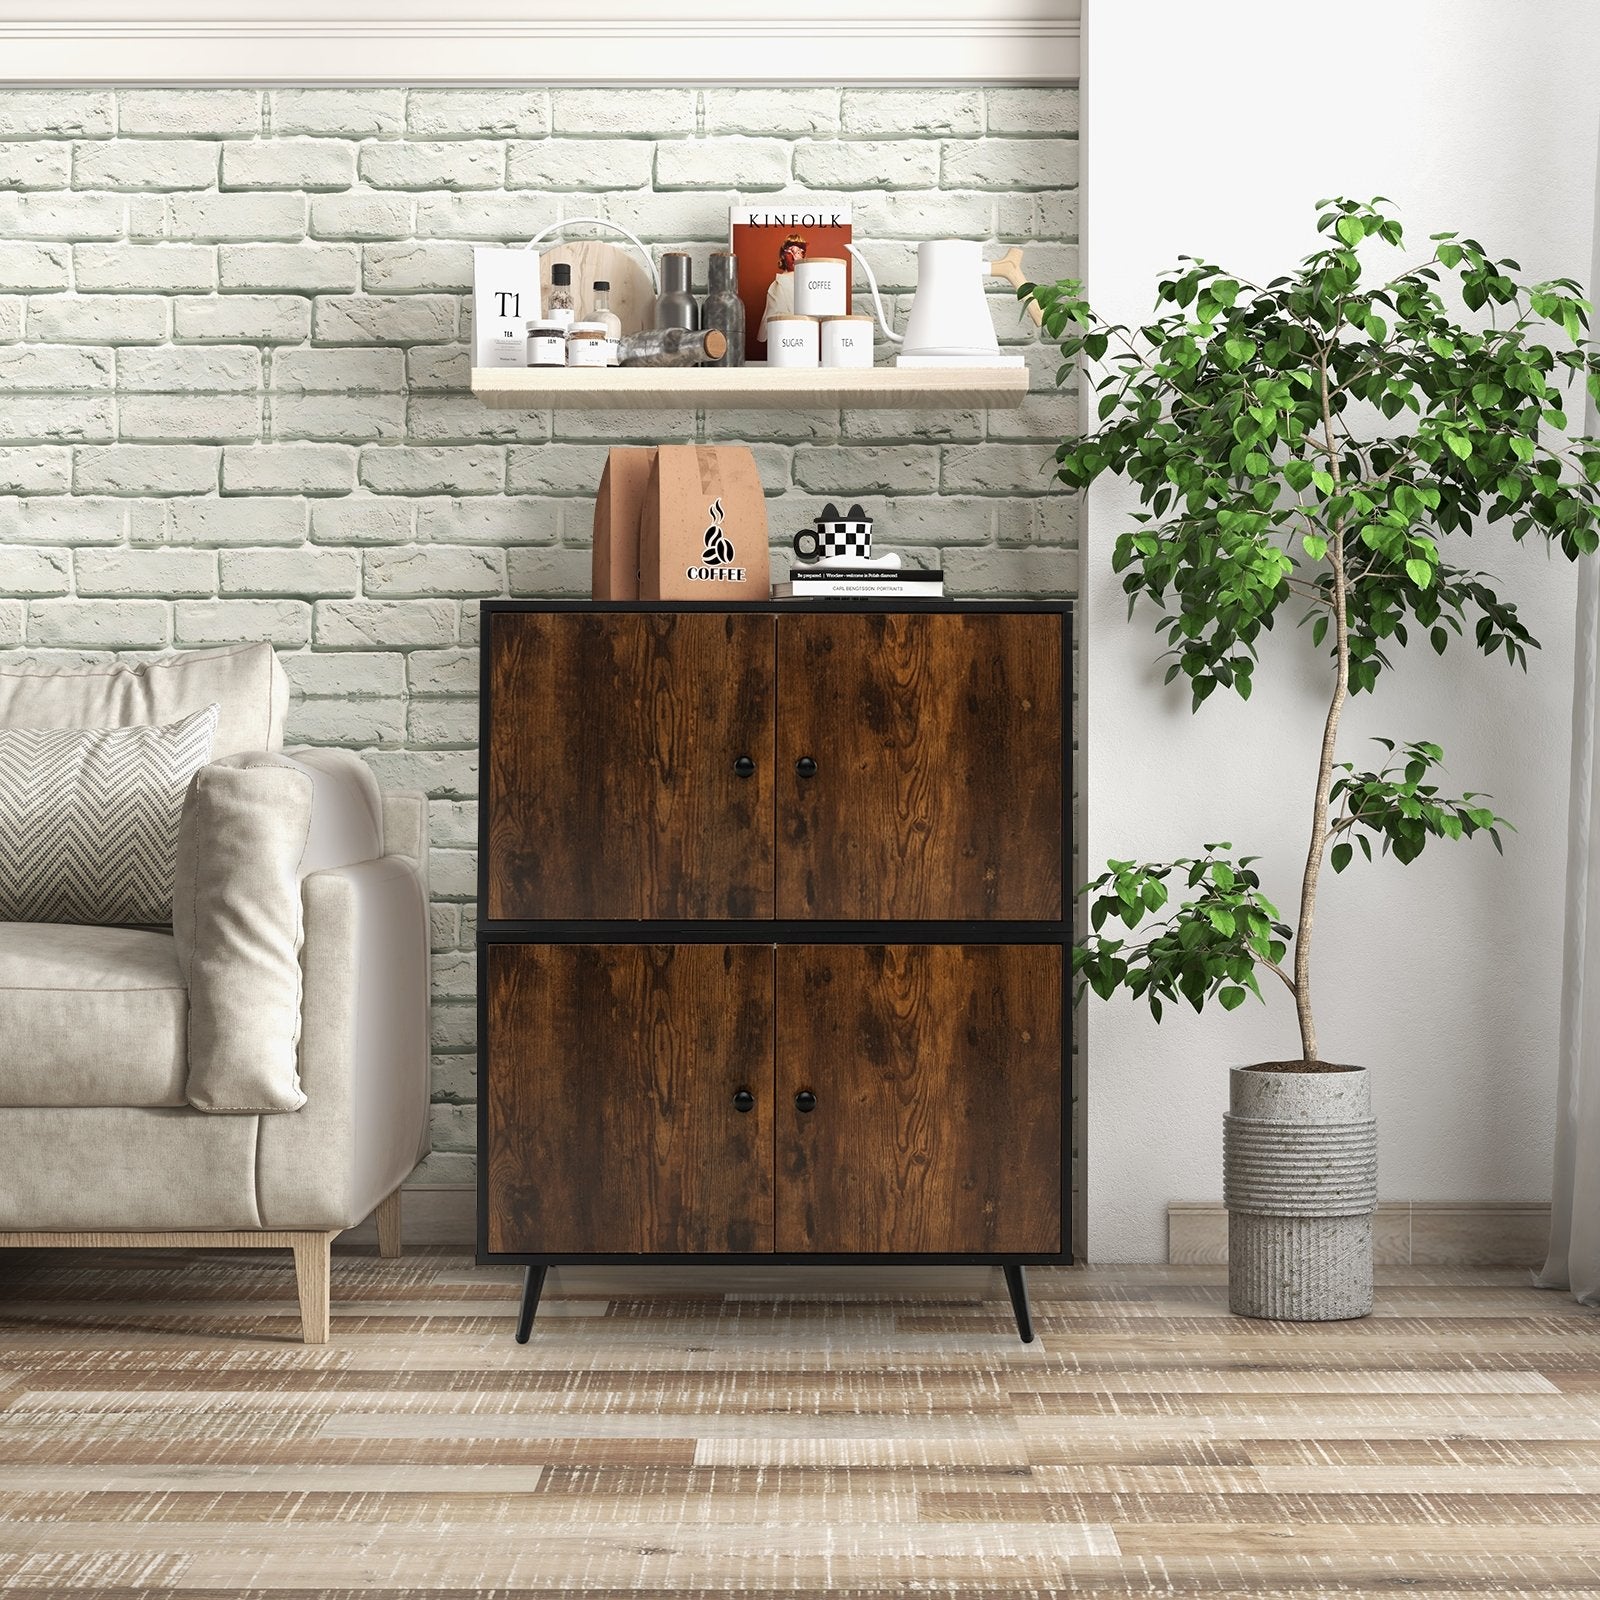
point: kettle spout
(877, 302)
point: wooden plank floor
(162, 1433)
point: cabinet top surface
(778, 608)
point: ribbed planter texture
(1300, 1180)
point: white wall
(1210, 130)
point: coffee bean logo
(718, 550)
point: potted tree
(1315, 443)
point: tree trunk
(1330, 739)
(1319, 813)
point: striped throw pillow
(89, 819)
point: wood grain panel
(611, 789)
(611, 1076)
(938, 740)
(937, 1072)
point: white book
(886, 590)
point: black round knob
(805, 1101)
(745, 767)
(806, 767)
(743, 1100)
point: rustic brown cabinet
(773, 935)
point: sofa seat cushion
(90, 1017)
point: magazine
(770, 241)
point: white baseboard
(1421, 1233)
(1405, 1233)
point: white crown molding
(524, 41)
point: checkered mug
(835, 537)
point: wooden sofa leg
(313, 1274)
(388, 1215)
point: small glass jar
(547, 345)
(592, 326)
(588, 347)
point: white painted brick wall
(233, 376)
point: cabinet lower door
(919, 1098)
(613, 1095)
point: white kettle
(949, 325)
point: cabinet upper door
(919, 1098)
(920, 770)
(615, 1085)
(629, 765)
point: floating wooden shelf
(772, 388)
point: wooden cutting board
(632, 297)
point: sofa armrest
(253, 826)
(405, 831)
(363, 1051)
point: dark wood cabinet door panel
(936, 1077)
(612, 1075)
(920, 766)
(613, 784)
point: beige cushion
(90, 1017)
(247, 683)
(253, 826)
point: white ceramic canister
(547, 345)
(847, 341)
(819, 287)
(792, 341)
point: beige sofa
(107, 1135)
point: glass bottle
(676, 307)
(724, 310)
(560, 308)
(600, 311)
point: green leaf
(1419, 572)
(1340, 856)
(1230, 997)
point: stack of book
(860, 583)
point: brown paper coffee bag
(703, 532)
(617, 509)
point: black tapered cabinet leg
(532, 1288)
(1017, 1283)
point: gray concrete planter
(1300, 1180)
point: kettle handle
(877, 304)
(1009, 267)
